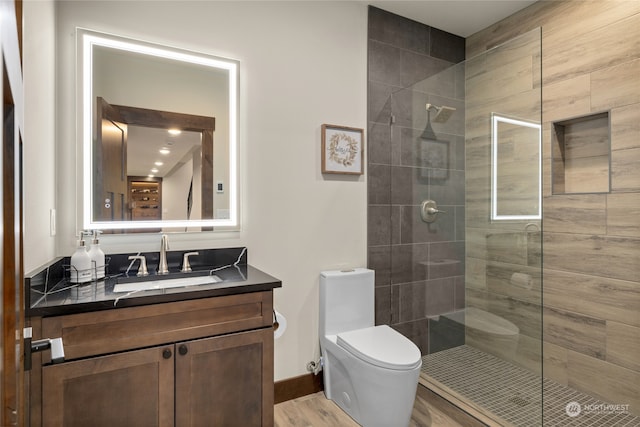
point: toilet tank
(346, 300)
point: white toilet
(371, 372)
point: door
(225, 380)
(11, 301)
(110, 171)
(133, 388)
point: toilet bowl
(371, 372)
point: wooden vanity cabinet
(235, 362)
(205, 362)
(133, 388)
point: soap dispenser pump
(80, 271)
(97, 257)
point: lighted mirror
(158, 136)
(516, 169)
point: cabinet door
(226, 380)
(126, 389)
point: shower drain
(519, 400)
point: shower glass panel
(466, 286)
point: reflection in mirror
(159, 136)
(516, 169)
(176, 168)
(131, 138)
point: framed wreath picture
(342, 150)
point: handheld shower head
(442, 113)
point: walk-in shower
(467, 286)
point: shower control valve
(429, 211)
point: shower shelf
(581, 155)
(441, 262)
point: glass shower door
(465, 230)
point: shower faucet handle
(432, 211)
(429, 211)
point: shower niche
(582, 155)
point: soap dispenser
(97, 257)
(80, 271)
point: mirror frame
(86, 40)
(496, 119)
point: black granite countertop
(49, 292)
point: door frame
(12, 382)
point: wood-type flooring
(315, 410)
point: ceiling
(460, 17)
(144, 143)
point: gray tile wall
(419, 267)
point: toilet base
(372, 396)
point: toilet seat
(381, 346)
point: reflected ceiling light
(174, 132)
(151, 175)
(154, 170)
(164, 151)
(158, 163)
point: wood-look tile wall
(591, 270)
(503, 258)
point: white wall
(39, 133)
(175, 190)
(302, 64)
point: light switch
(52, 222)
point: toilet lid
(381, 346)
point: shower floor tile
(512, 395)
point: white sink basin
(166, 284)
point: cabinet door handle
(166, 353)
(183, 349)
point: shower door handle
(429, 211)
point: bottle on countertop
(80, 271)
(97, 257)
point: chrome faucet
(164, 245)
(142, 270)
(186, 267)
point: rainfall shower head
(442, 113)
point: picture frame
(342, 150)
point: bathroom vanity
(191, 355)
